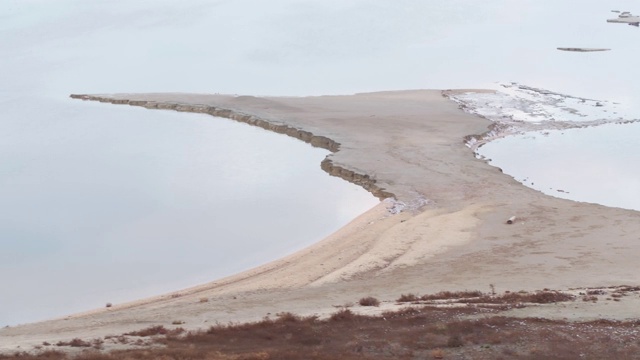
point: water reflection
(594, 164)
(111, 203)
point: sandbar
(445, 229)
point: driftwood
(579, 49)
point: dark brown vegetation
(425, 332)
(472, 329)
(408, 298)
(156, 330)
(369, 301)
(445, 295)
(74, 343)
(477, 297)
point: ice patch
(516, 108)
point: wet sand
(451, 234)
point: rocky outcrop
(363, 180)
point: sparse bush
(369, 301)
(121, 339)
(424, 331)
(445, 295)
(97, 344)
(76, 342)
(596, 292)
(454, 341)
(408, 298)
(540, 297)
(288, 317)
(45, 355)
(627, 288)
(343, 315)
(546, 297)
(155, 330)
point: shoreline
(322, 142)
(409, 144)
(513, 118)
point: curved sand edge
(407, 143)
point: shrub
(596, 292)
(288, 317)
(445, 295)
(408, 298)
(369, 301)
(155, 330)
(77, 342)
(343, 315)
(539, 297)
(454, 341)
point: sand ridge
(451, 234)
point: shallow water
(114, 181)
(104, 203)
(114, 203)
(573, 148)
(594, 164)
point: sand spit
(451, 234)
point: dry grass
(477, 297)
(418, 332)
(156, 330)
(596, 292)
(538, 297)
(79, 343)
(452, 295)
(408, 298)
(74, 343)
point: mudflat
(445, 229)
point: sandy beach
(445, 228)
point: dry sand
(451, 235)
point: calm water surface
(113, 203)
(595, 164)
